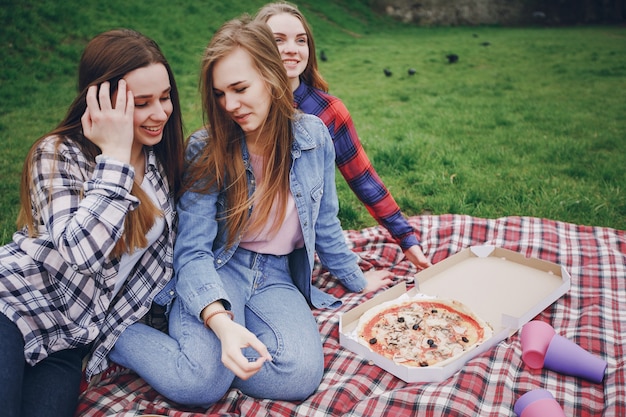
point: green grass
(532, 124)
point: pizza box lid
(504, 288)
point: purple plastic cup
(529, 398)
(538, 403)
(569, 358)
(535, 338)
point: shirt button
(75, 267)
(172, 293)
(219, 261)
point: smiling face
(292, 42)
(241, 92)
(153, 106)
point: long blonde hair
(221, 162)
(311, 74)
(109, 57)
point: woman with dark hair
(94, 250)
(259, 201)
(297, 48)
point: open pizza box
(503, 287)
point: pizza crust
(421, 331)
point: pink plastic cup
(538, 403)
(569, 358)
(535, 337)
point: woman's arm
(198, 283)
(330, 241)
(364, 181)
(83, 212)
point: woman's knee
(291, 378)
(195, 385)
(197, 392)
(306, 378)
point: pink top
(281, 241)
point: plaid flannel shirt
(57, 287)
(354, 164)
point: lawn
(528, 121)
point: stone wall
(503, 12)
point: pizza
(421, 332)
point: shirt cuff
(409, 240)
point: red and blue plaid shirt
(354, 164)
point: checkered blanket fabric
(592, 313)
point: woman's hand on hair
(108, 125)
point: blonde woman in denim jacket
(260, 199)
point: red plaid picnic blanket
(592, 313)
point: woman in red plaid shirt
(297, 48)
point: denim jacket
(200, 250)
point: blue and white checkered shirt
(57, 287)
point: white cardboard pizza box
(503, 287)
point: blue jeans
(185, 366)
(50, 388)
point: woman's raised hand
(109, 126)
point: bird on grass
(452, 58)
(411, 71)
(485, 44)
(387, 72)
(323, 56)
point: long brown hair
(109, 57)
(221, 162)
(311, 74)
